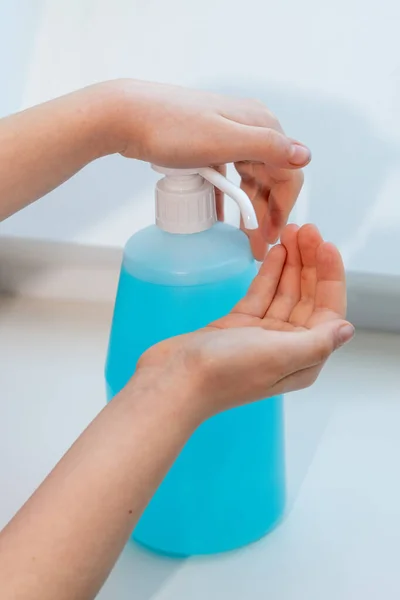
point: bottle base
(163, 552)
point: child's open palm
(277, 338)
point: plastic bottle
(227, 487)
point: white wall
(331, 71)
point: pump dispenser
(227, 487)
(185, 201)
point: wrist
(91, 114)
(120, 119)
(100, 111)
(171, 395)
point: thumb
(266, 145)
(314, 346)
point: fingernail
(345, 334)
(299, 155)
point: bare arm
(65, 540)
(43, 146)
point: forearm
(64, 541)
(43, 146)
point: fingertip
(310, 231)
(288, 233)
(277, 252)
(274, 260)
(290, 229)
(309, 239)
(289, 239)
(332, 335)
(300, 155)
(345, 333)
(328, 248)
(329, 261)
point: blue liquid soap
(227, 487)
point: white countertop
(342, 532)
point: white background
(331, 71)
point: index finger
(273, 193)
(282, 198)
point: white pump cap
(185, 200)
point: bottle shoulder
(159, 257)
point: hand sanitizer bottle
(227, 486)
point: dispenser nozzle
(222, 183)
(238, 195)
